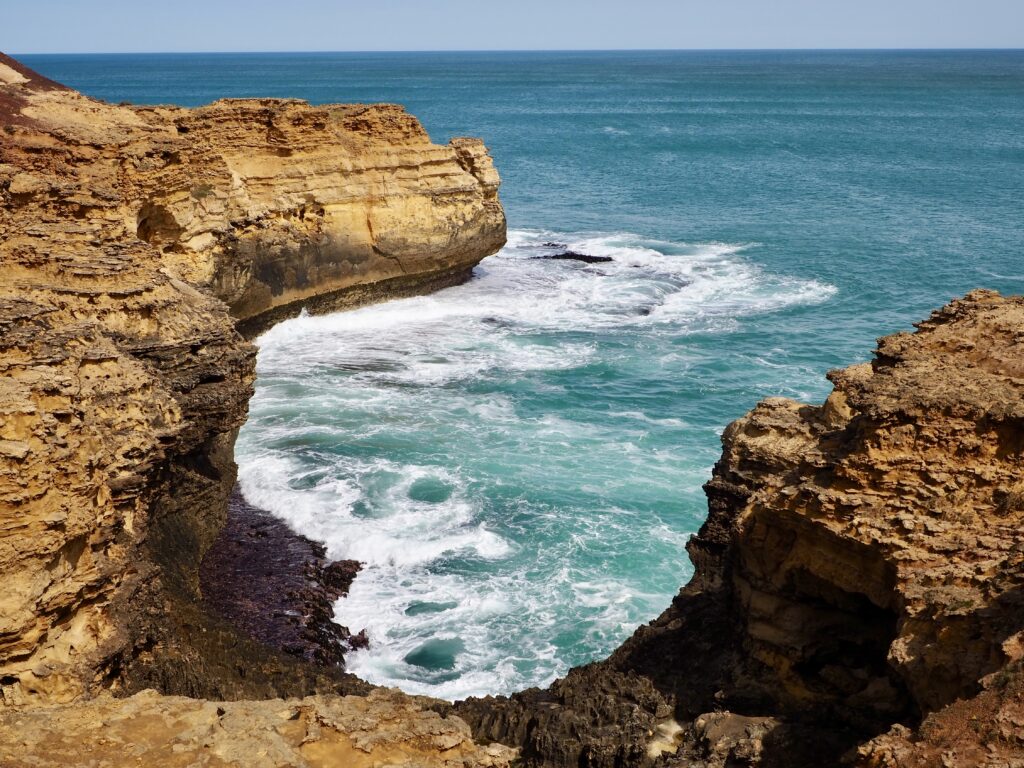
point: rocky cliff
(859, 575)
(135, 244)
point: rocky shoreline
(136, 245)
(857, 595)
(277, 586)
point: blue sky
(44, 26)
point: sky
(78, 26)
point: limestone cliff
(134, 243)
(268, 204)
(861, 568)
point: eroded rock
(860, 569)
(148, 729)
(585, 258)
(857, 592)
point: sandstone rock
(725, 739)
(857, 592)
(148, 729)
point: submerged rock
(574, 256)
(436, 654)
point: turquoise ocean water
(519, 460)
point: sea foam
(499, 455)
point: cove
(518, 460)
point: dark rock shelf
(277, 586)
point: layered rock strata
(861, 568)
(135, 243)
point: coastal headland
(857, 587)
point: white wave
(265, 481)
(640, 416)
(409, 533)
(383, 602)
(479, 617)
(647, 283)
(401, 373)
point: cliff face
(268, 204)
(898, 507)
(861, 568)
(133, 242)
(274, 204)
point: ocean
(518, 461)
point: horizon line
(890, 49)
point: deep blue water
(519, 460)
